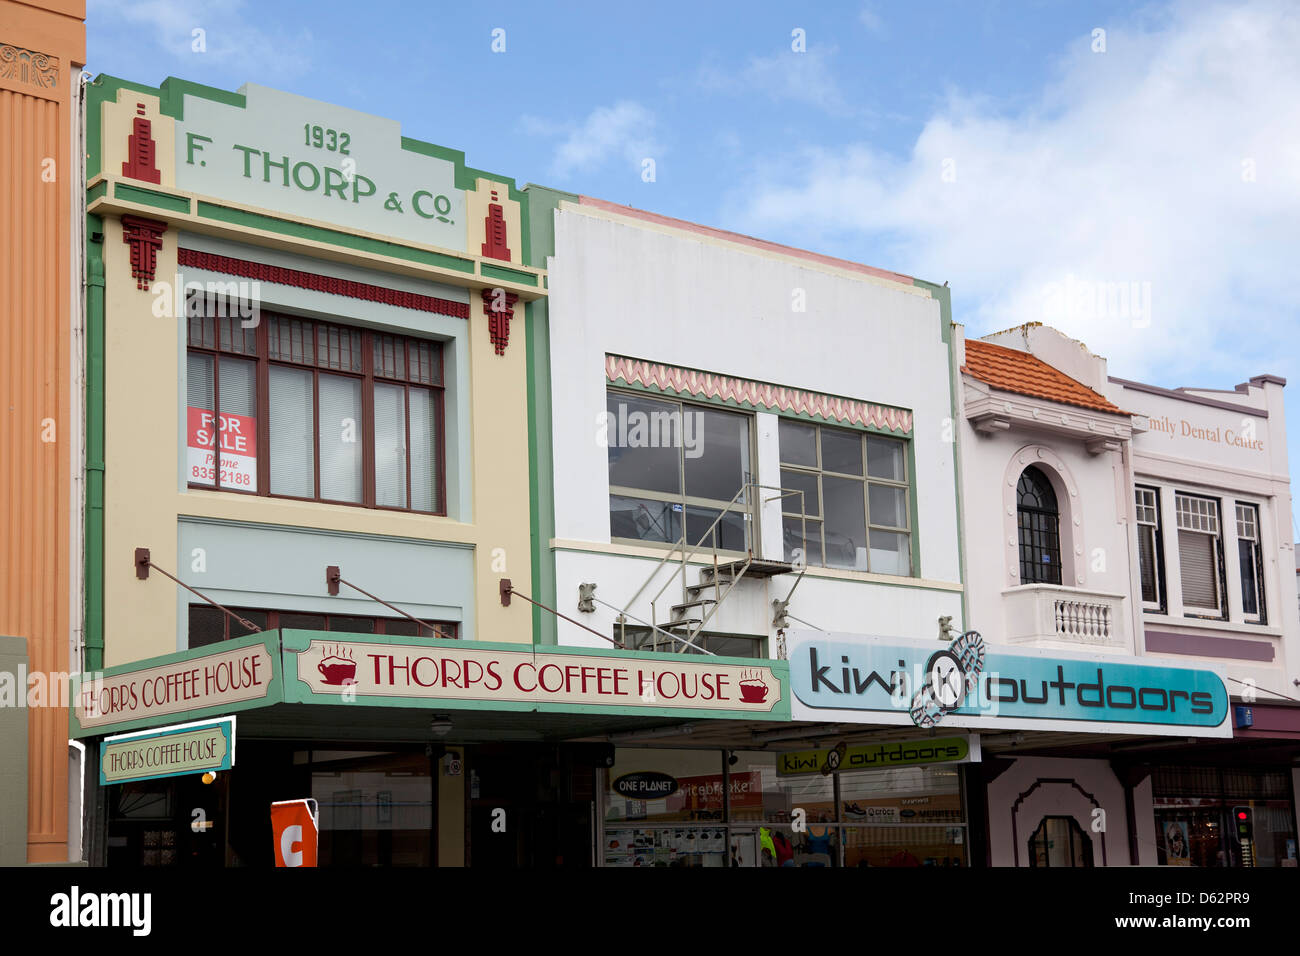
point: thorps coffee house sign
(551, 677)
(309, 667)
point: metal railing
(687, 554)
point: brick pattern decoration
(687, 382)
(500, 308)
(141, 150)
(494, 228)
(279, 275)
(144, 236)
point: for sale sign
(233, 457)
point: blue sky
(1007, 148)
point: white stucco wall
(666, 295)
(1232, 454)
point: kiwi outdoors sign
(850, 678)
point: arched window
(1060, 841)
(1040, 529)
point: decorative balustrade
(1050, 613)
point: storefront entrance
(530, 806)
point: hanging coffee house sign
(557, 678)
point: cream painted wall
(144, 355)
(139, 468)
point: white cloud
(1134, 167)
(623, 132)
(230, 36)
(869, 17)
(786, 76)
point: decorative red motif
(494, 227)
(670, 378)
(144, 236)
(140, 150)
(279, 275)
(500, 308)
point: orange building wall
(36, 110)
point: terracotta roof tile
(1014, 371)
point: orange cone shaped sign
(294, 827)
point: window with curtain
(851, 507)
(1150, 558)
(1200, 554)
(1039, 521)
(305, 409)
(1249, 556)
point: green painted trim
(93, 623)
(297, 692)
(274, 688)
(254, 220)
(151, 197)
(747, 407)
(944, 297)
(97, 191)
(913, 509)
(541, 204)
(489, 271)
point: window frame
(1220, 575)
(1035, 549)
(1260, 616)
(745, 507)
(367, 376)
(1155, 525)
(819, 472)
(448, 630)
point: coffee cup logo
(752, 688)
(337, 667)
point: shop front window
(376, 809)
(667, 808)
(1200, 813)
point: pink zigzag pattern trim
(756, 394)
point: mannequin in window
(1039, 521)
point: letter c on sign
(291, 837)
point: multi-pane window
(723, 645)
(1150, 557)
(1200, 554)
(209, 626)
(674, 470)
(1039, 521)
(306, 409)
(853, 511)
(1248, 554)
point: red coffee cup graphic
(336, 670)
(753, 691)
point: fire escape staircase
(701, 600)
